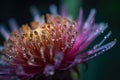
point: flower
(50, 46)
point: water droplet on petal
(31, 60)
(49, 70)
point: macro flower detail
(50, 46)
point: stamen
(43, 35)
(34, 25)
(51, 51)
(37, 38)
(42, 54)
(29, 53)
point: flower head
(50, 45)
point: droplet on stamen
(31, 61)
(42, 54)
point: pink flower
(50, 46)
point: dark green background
(104, 67)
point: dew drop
(49, 70)
(31, 61)
(58, 57)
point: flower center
(39, 43)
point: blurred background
(104, 67)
